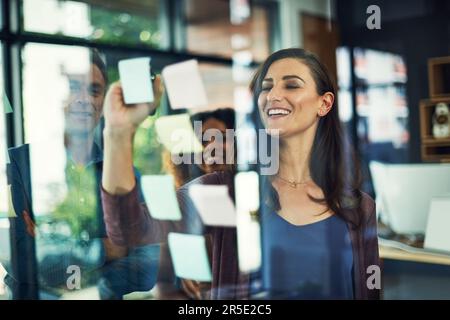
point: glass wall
(63, 126)
(62, 60)
(6, 211)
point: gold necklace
(294, 183)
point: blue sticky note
(189, 256)
(160, 197)
(6, 104)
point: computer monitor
(404, 192)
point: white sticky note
(3, 272)
(437, 236)
(8, 160)
(213, 204)
(248, 228)
(189, 256)
(136, 80)
(177, 135)
(184, 85)
(160, 197)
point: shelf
(435, 141)
(438, 77)
(435, 149)
(398, 254)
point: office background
(382, 76)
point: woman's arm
(121, 122)
(127, 220)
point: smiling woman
(316, 190)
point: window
(60, 114)
(130, 22)
(381, 105)
(209, 30)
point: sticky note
(214, 205)
(8, 159)
(160, 197)
(136, 80)
(248, 228)
(3, 272)
(436, 235)
(177, 135)
(11, 211)
(184, 85)
(247, 191)
(6, 104)
(189, 256)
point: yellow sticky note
(177, 135)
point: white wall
(291, 35)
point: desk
(422, 257)
(414, 275)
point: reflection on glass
(5, 255)
(210, 31)
(381, 106)
(60, 119)
(63, 127)
(133, 22)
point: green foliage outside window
(124, 28)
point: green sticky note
(189, 256)
(177, 135)
(160, 197)
(6, 105)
